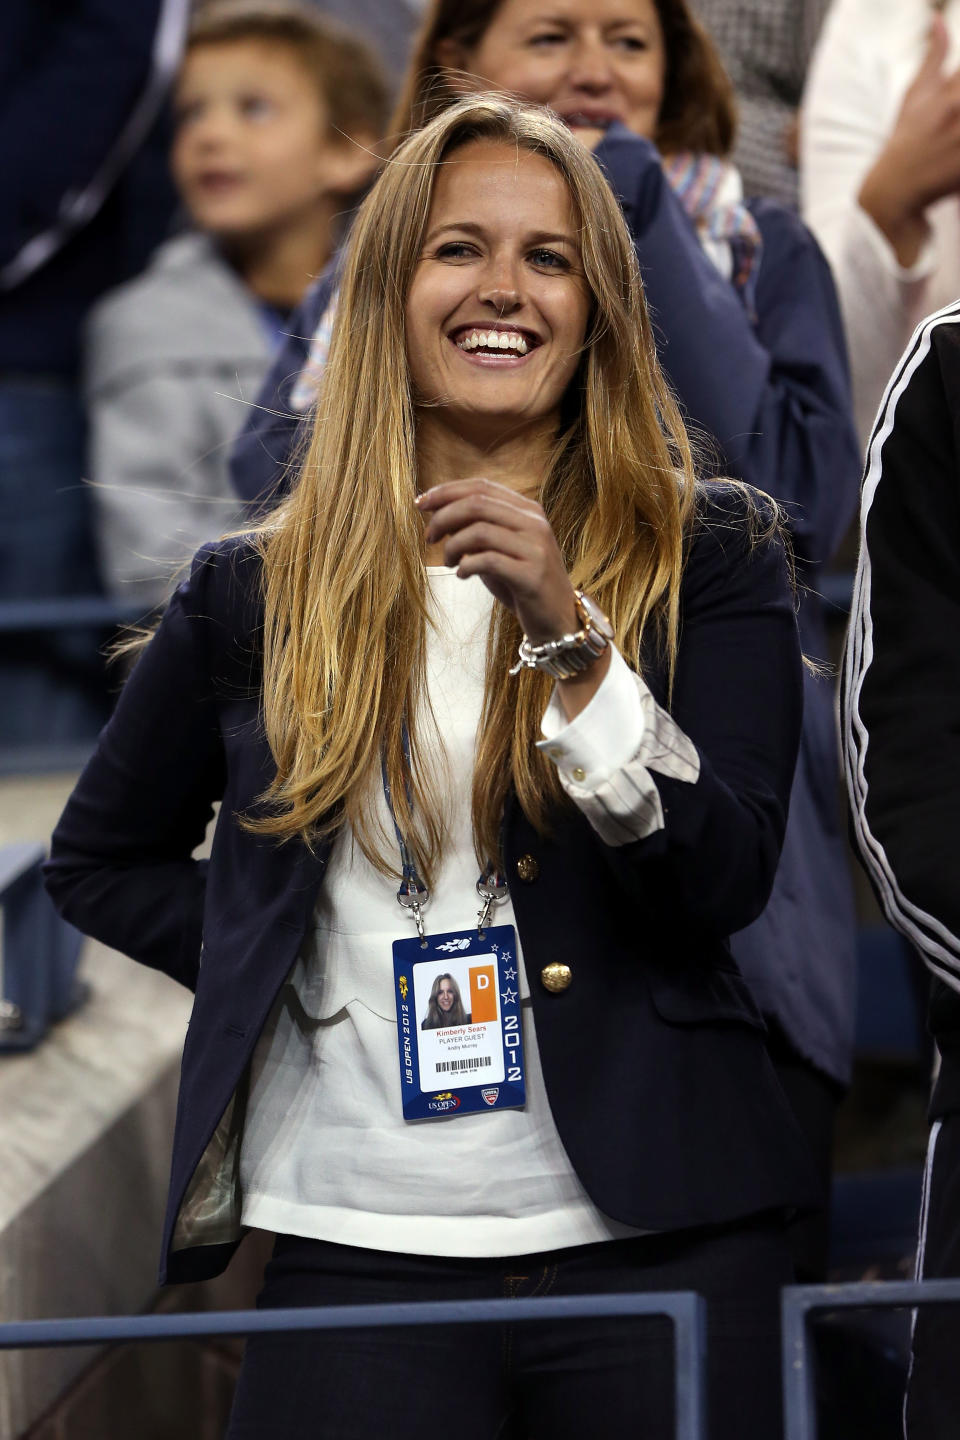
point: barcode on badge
(477, 1062)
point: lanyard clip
(413, 896)
(492, 888)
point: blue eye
(549, 259)
(455, 250)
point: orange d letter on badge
(483, 993)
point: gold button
(556, 977)
(527, 868)
(578, 772)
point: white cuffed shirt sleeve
(605, 756)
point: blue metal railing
(802, 1302)
(101, 617)
(73, 612)
(685, 1311)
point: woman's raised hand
(920, 162)
(489, 530)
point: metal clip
(413, 896)
(492, 888)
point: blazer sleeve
(121, 866)
(737, 701)
(901, 682)
(262, 451)
(774, 395)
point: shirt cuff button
(578, 772)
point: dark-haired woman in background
(748, 331)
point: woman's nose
(590, 67)
(500, 287)
(502, 300)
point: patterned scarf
(710, 192)
(307, 383)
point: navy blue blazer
(772, 393)
(654, 1058)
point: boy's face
(253, 150)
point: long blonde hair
(343, 556)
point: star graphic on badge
(510, 974)
(508, 996)
(507, 955)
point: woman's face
(498, 306)
(591, 61)
(446, 996)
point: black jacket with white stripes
(901, 690)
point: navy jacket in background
(654, 1058)
(772, 399)
(73, 75)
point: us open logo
(490, 1093)
(443, 1102)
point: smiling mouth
(590, 120)
(507, 343)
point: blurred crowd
(178, 174)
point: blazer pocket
(704, 997)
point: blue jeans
(555, 1381)
(51, 683)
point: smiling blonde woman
(458, 646)
(748, 331)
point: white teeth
(494, 340)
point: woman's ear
(452, 57)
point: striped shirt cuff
(605, 755)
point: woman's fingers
(485, 536)
(453, 490)
(504, 538)
(480, 509)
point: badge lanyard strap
(413, 894)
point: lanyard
(413, 894)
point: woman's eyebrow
(464, 226)
(537, 237)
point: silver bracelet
(573, 653)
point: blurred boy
(278, 115)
